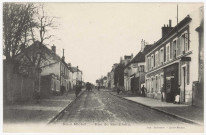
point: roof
(186, 20)
(74, 69)
(46, 50)
(140, 57)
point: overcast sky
(96, 35)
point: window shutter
(159, 59)
(178, 47)
(188, 73)
(171, 50)
(186, 42)
(164, 53)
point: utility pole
(177, 18)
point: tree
(119, 75)
(16, 24)
(25, 29)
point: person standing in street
(163, 93)
(177, 96)
(143, 91)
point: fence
(16, 87)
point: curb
(54, 118)
(165, 112)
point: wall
(55, 68)
(16, 87)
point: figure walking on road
(143, 91)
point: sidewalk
(184, 112)
(32, 112)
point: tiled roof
(140, 57)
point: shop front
(171, 82)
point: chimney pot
(53, 48)
(170, 23)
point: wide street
(99, 107)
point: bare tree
(16, 24)
(26, 27)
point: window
(156, 58)
(178, 47)
(152, 85)
(148, 62)
(167, 52)
(162, 56)
(152, 61)
(184, 43)
(141, 68)
(171, 51)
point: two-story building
(135, 70)
(76, 76)
(56, 67)
(173, 60)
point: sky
(96, 35)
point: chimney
(132, 56)
(69, 64)
(120, 59)
(63, 58)
(170, 23)
(167, 29)
(53, 48)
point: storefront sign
(186, 59)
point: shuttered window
(167, 52)
(171, 51)
(178, 46)
(174, 49)
(161, 56)
(186, 42)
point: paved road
(102, 107)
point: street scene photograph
(72, 67)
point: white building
(173, 60)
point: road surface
(99, 107)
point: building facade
(135, 70)
(173, 61)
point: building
(127, 72)
(58, 67)
(135, 70)
(112, 75)
(105, 82)
(108, 80)
(173, 60)
(76, 76)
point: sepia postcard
(103, 67)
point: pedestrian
(37, 95)
(77, 90)
(118, 90)
(177, 96)
(163, 93)
(143, 91)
